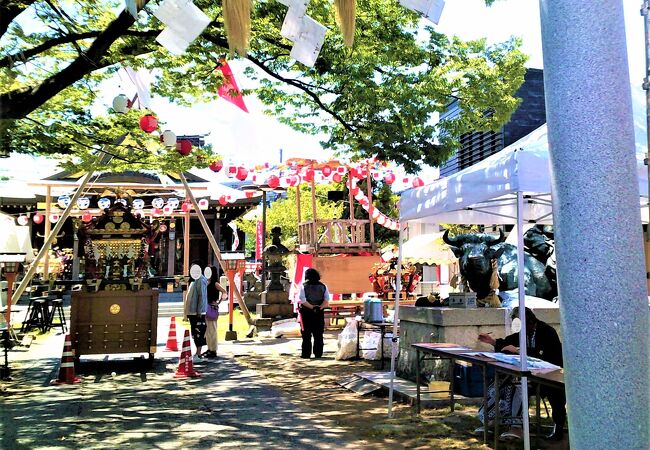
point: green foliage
(284, 214)
(379, 99)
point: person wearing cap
(314, 296)
(544, 343)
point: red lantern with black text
(327, 170)
(273, 181)
(242, 173)
(148, 123)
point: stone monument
(275, 299)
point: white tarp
(485, 193)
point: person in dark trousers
(314, 296)
(543, 343)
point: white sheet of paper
(132, 8)
(172, 41)
(431, 9)
(293, 23)
(185, 22)
(309, 42)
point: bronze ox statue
(474, 253)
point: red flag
(259, 232)
(229, 90)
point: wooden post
(301, 237)
(313, 212)
(350, 196)
(372, 228)
(186, 243)
(263, 240)
(215, 248)
(46, 234)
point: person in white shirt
(314, 296)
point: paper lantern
(203, 203)
(54, 218)
(336, 177)
(121, 104)
(242, 173)
(22, 220)
(216, 166)
(184, 147)
(186, 207)
(293, 180)
(231, 171)
(158, 203)
(223, 201)
(167, 210)
(250, 194)
(327, 171)
(417, 182)
(163, 228)
(103, 203)
(157, 212)
(63, 201)
(389, 178)
(121, 201)
(86, 217)
(138, 203)
(168, 138)
(148, 123)
(173, 203)
(83, 202)
(341, 170)
(309, 175)
(273, 181)
(38, 218)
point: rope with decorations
(376, 215)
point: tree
(379, 98)
(283, 213)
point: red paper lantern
(184, 147)
(273, 181)
(327, 170)
(86, 217)
(216, 166)
(186, 206)
(148, 123)
(309, 175)
(38, 218)
(389, 178)
(250, 194)
(223, 201)
(293, 180)
(337, 178)
(417, 182)
(242, 173)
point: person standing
(314, 296)
(196, 305)
(212, 314)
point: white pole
(398, 290)
(522, 317)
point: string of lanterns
(376, 215)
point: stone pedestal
(275, 304)
(457, 325)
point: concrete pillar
(599, 242)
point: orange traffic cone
(185, 366)
(172, 343)
(66, 371)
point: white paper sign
(293, 22)
(430, 9)
(185, 22)
(309, 42)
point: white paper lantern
(83, 202)
(173, 203)
(22, 220)
(54, 218)
(203, 203)
(63, 201)
(169, 138)
(122, 201)
(103, 203)
(138, 203)
(158, 203)
(167, 210)
(121, 104)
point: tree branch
(18, 103)
(9, 10)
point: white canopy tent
(510, 187)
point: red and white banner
(259, 233)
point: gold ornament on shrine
(114, 308)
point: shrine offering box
(109, 322)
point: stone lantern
(275, 300)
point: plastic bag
(372, 346)
(286, 328)
(347, 341)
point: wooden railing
(339, 235)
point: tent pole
(49, 238)
(523, 350)
(398, 290)
(215, 249)
(46, 234)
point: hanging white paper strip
(293, 20)
(430, 9)
(309, 43)
(185, 22)
(132, 8)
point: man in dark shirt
(543, 343)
